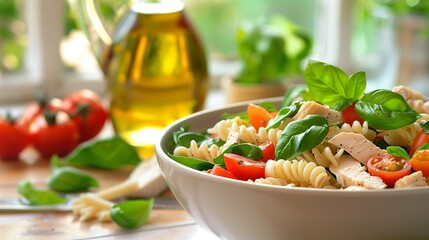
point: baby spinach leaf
(109, 153)
(330, 85)
(398, 151)
(35, 196)
(301, 135)
(243, 149)
(69, 179)
(194, 163)
(386, 110)
(185, 139)
(132, 213)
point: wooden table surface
(163, 223)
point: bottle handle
(93, 27)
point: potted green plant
(271, 52)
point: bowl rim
(166, 134)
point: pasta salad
(327, 134)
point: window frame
(43, 67)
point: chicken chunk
(357, 145)
(413, 180)
(350, 173)
(312, 107)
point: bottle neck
(156, 6)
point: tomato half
(54, 138)
(420, 162)
(389, 168)
(219, 171)
(268, 151)
(244, 168)
(421, 138)
(13, 140)
(349, 115)
(87, 111)
(258, 116)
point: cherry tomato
(87, 112)
(389, 168)
(258, 116)
(420, 162)
(349, 115)
(13, 140)
(268, 151)
(54, 134)
(34, 109)
(244, 168)
(219, 171)
(421, 138)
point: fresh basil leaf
(285, 112)
(132, 213)
(56, 163)
(330, 85)
(293, 93)
(194, 163)
(398, 152)
(110, 153)
(68, 179)
(385, 110)
(301, 135)
(243, 149)
(35, 196)
(425, 126)
(355, 86)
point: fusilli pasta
(301, 173)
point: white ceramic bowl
(234, 209)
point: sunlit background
(387, 38)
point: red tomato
(87, 112)
(219, 171)
(244, 168)
(258, 116)
(13, 140)
(268, 151)
(54, 136)
(421, 138)
(34, 109)
(389, 168)
(420, 162)
(349, 115)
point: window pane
(12, 36)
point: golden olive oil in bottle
(156, 71)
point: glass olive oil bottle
(156, 72)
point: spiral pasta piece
(356, 127)
(203, 152)
(323, 155)
(301, 173)
(250, 135)
(271, 181)
(223, 127)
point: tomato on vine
(87, 111)
(54, 133)
(13, 139)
